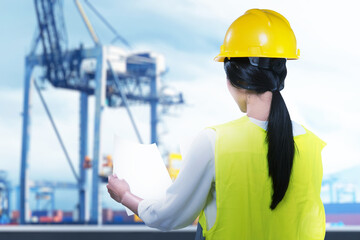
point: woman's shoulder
(302, 130)
(298, 129)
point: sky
(320, 88)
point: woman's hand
(117, 188)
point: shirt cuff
(143, 206)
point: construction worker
(259, 176)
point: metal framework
(336, 190)
(45, 193)
(4, 198)
(119, 80)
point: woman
(257, 177)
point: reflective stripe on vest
(244, 188)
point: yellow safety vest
(244, 188)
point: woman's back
(267, 181)
(244, 188)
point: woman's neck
(258, 105)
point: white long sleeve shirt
(194, 188)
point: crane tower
(115, 76)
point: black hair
(281, 147)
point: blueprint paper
(141, 165)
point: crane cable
(87, 23)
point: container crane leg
(24, 190)
(100, 88)
(153, 106)
(83, 153)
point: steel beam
(100, 88)
(47, 110)
(24, 190)
(153, 104)
(83, 152)
(125, 101)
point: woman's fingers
(112, 178)
(112, 194)
(117, 187)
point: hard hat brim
(221, 57)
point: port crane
(115, 76)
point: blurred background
(74, 73)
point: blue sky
(320, 88)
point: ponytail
(281, 147)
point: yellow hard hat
(259, 33)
